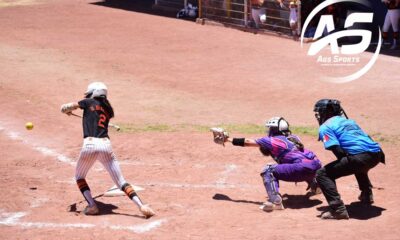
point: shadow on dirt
(104, 208)
(289, 201)
(359, 211)
(219, 196)
(385, 50)
(141, 6)
(299, 201)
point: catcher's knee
(82, 185)
(267, 172)
(128, 189)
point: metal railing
(239, 13)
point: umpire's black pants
(358, 164)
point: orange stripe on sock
(81, 183)
(129, 191)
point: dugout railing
(237, 13)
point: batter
(97, 112)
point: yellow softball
(29, 126)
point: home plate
(114, 191)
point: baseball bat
(109, 124)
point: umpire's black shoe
(337, 214)
(366, 197)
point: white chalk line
(60, 157)
(178, 185)
(14, 220)
(38, 202)
(228, 170)
(220, 183)
(187, 185)
(44, 150)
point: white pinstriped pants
(392, 19)
(98, 149)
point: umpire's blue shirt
(348, 135)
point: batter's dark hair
(106, 105)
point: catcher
(294, 163)
(97, 112)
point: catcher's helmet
(277, 126)
(327, 108)
(96, 89)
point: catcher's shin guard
(271, 185)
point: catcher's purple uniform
(293, 165)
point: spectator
(392, 19)
(258, 12)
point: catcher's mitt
(220, 135)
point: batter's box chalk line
(15, 220)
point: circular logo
(348, 54)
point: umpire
(355, 151)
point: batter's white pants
(392, 19)
(98, 149)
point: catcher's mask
(277, 126)
(96, 89)
(327, 108)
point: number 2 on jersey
(102, 120)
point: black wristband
(238, 142)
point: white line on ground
(142, 228)
(37, 202)
(49, 152)
(220, 183)
(186, 185)
(13, 219)
(44, 150)
(228, 169)
(179, 185)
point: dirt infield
(168, 80)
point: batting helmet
(96, 89)
(277, 126)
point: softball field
(169, 80)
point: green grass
(249, 128)
(135, 128)
(380, 138)
(305, 130)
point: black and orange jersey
(95, 118)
